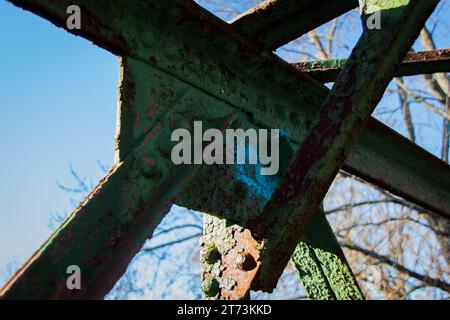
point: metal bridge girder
(415, 63)
(240, 72)
(274, 23)
(340, 121)
(234, 196)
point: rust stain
(427, 56)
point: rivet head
(245, 261)
(149, 169)
(170, 51)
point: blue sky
(58, 102)
(58, 105)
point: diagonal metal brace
(341, 120)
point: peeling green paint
(322, 266)
(263, 85)
(338, 124)
(174, 71)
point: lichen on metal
(294, 100)
(174, 72)
(340, 121)
(233, 201)
(321, 264)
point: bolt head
(245, 261)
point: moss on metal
(332, 274)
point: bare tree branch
(440, 85)
(443, 113)
(407, 119)
(386, 260)
(171, 243)
(388, 220)
(318, 45)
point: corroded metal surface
(341, 119)
(274, 23)
(109, 227)
(415, 63)
(237, 265)
(291, 105)
(235, 199)
(174, 72)
(322, 266)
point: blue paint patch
(260, 186)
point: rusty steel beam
(322, 266)
(341, 120)
(160, 37)
(95, 28)
(104, 232)
(415, 63)
(238, 194)
(111, 224)
(108, 35)
(274, 23)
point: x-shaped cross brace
(181, 64)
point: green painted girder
(156, 42)
(340, 121)
(322, 266)
(274, 23)
(236, 195)
(402, 167)
(110, 226)
(415, 63)
(289, 107)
